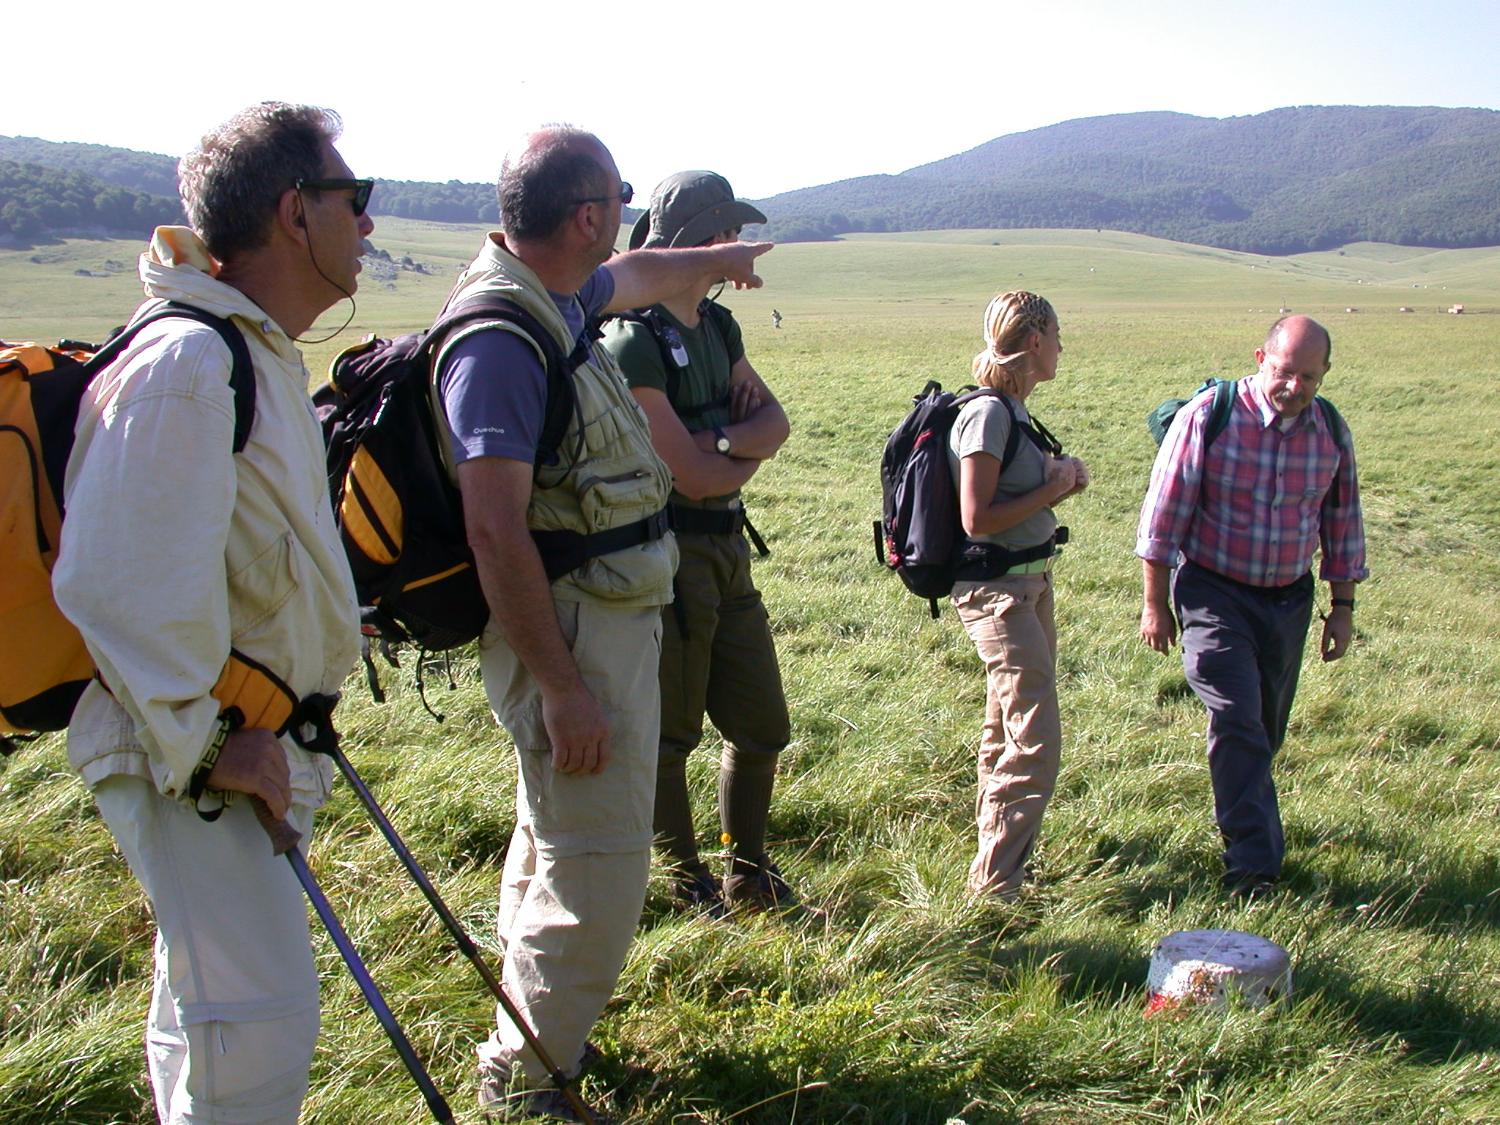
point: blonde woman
(1010, 474)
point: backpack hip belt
(716, 521)
(707, 521)
(565, 551)
(982, 561)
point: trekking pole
(465, 943)
(284, 840)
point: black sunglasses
(625, 195)
(361, 189)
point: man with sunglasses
(569, 657)
(177, 548)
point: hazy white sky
(776, 95)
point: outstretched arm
(643, 277)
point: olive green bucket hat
(689, 208)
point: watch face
(722, 445)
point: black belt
(716, 521)
(565, 551)
(981, 561)
(1303, 584)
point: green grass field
(903, 1000)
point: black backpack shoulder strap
(717, 315)
(1218, 415)
(651, 320)
(559, 367)
(1013, 435)
(1336, 427)
(1336, 430)
(241, 370)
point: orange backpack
(44, 666)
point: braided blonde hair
(1008, 323)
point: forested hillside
(38, 202)
(1286, 181)
(1282, 182)
(105, 168)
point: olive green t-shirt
(704, 357)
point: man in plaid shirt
(1239, 521)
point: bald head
(544, 179)
(1290, 333)
(1292, 362)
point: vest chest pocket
(618, 498)
(261, 585)
(619, 479)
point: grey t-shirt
(493, 385)
(983, 426)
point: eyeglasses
(625, 195)
(361, 189)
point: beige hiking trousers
(234, 1009)
(1009, 619)
(575, 872)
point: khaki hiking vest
(613, 478)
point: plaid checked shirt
(1261, 512)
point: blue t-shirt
(494, 388)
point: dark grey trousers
(1242, 650)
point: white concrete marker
(1203, 966)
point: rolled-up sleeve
(141, 565)
(1341, 528)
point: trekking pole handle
(283, 836)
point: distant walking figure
(775, 318)
(1239, 520)
(1007, 488)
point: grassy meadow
(900, 999)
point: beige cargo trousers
(575, 873)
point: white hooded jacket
(174, 548)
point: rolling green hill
(1286, 181)
(30, 170)
(1283, 182)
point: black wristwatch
(721, 441)
(1347, 603)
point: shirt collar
(1267, 413)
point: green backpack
(1159, 421)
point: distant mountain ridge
(1286, 181)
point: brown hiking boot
(497, 1098)
(758, 886)
(696, 888)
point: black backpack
(399, 514)
(1159, 421)
(44, 666)
(921, 534)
